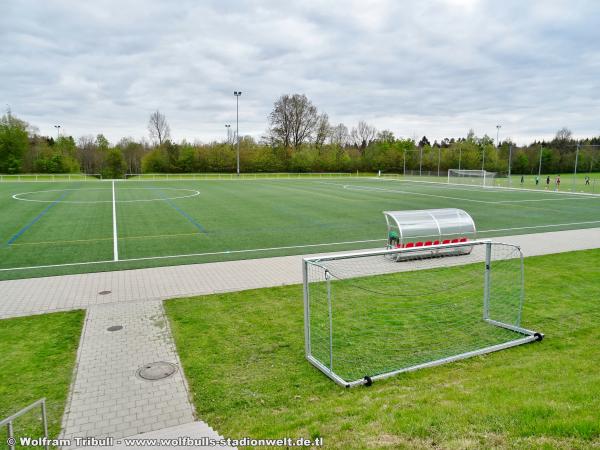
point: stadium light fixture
(498, 134)
(237, 126)
(57, 131)
(228, 126)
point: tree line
(299, 138)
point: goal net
(475, 177)
(372, 315)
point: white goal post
(471, 177)
(371, 315)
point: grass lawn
(243, 355)
(38, 356)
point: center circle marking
(192, 193)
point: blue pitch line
(38, 217)
(181, 211)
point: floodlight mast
(497, 135)
(237, 125)
(57, 131)
(228, 126)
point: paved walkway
(42, 295)
(108, 398)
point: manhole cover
(104, 292)
(156, 370)
(115, 328)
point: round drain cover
(156, 370)
(104, 292)
(115, 328)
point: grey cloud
(436, 68)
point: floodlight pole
(439, 159)
(497, 135)
(57, 131)
(420, 160)
(576, 161)
(459, 156)
(509, 162)
(237, 125)
(404, 163)
(540, 165)
(228, 126)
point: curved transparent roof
(447, 223)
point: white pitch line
(227, 252)
(351, 187)
(539, 226)
(114, 217)
(149, 258)
(446, 185)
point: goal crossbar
(347, 310)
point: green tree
(14, 141)
(155, 161)
(114, 164)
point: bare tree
(564, 135)
(385, 136)
(322, 130)
(158, 127)
(293, 120)
(363, 135)
(339, 135)
(88, 154)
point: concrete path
(194, 435)
(42, 295)
(107, 397)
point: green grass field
(243, 355)
(69, 225)
(38, 356)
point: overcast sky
(434, 68)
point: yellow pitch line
(78, 241)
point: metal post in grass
(483, 163)
(509, 164)
(237, 126)
(575, 169)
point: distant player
(537, 180)
(548, 182)
(558, 182)
(522, 180)
(587, 181)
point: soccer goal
(473, 177)
(369, 317)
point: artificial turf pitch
(71, 225)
